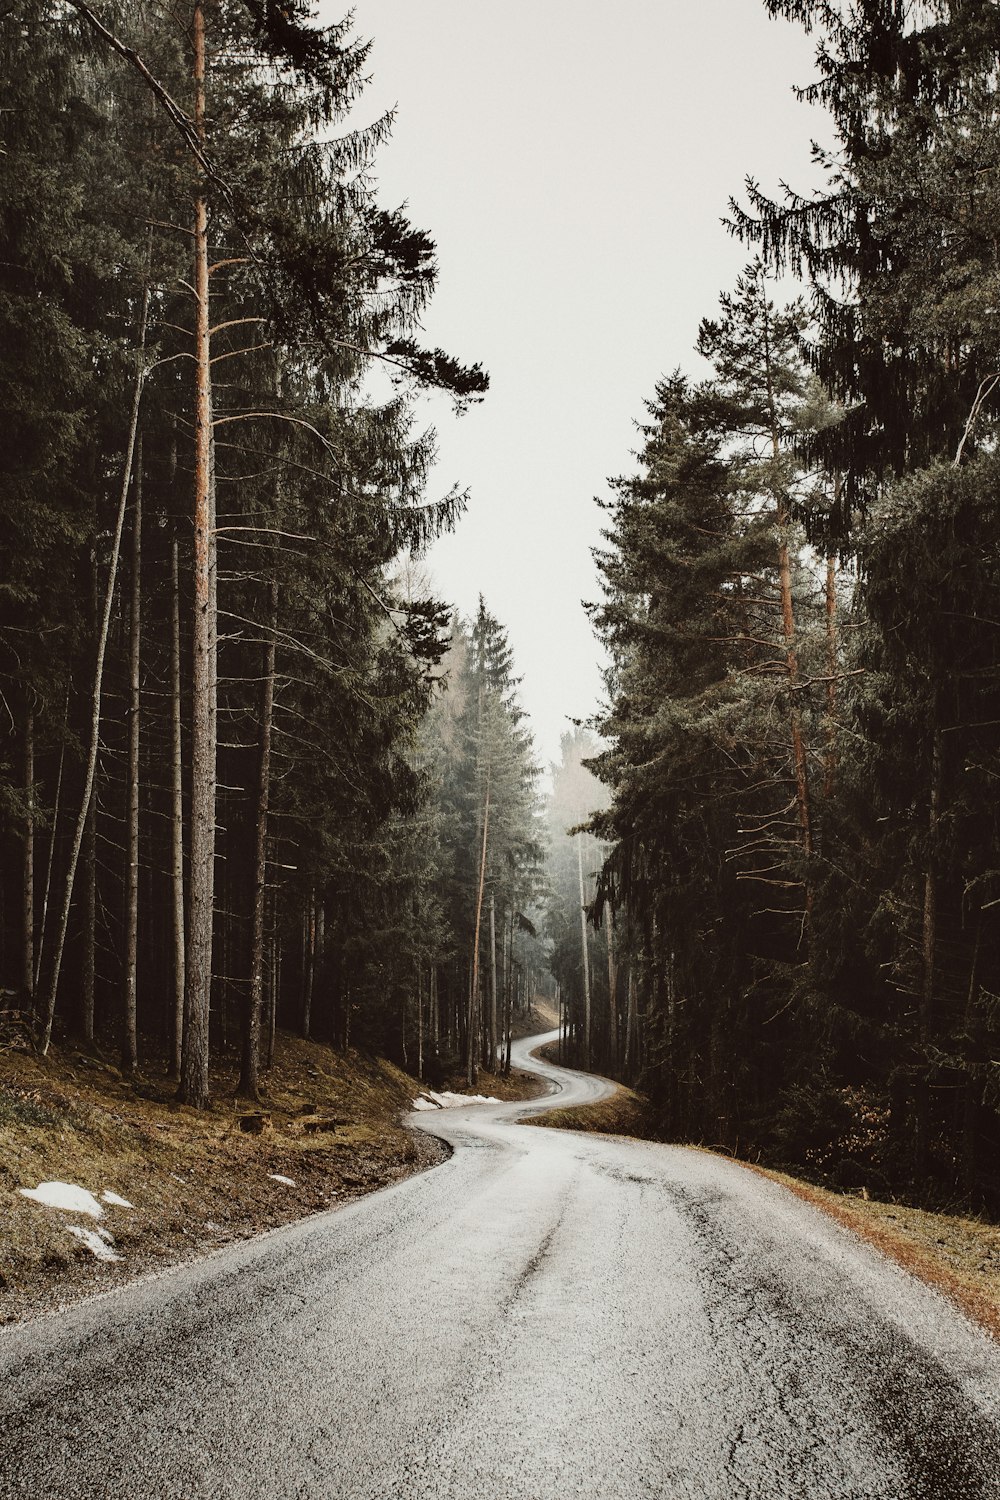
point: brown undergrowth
(958, 1256)
(330, 1123)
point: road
(545, 1315)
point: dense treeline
(802, 738)
(218, 689)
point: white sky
(573, 160)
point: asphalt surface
(545, 1315)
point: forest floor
(960, 1256)
(329, 1130)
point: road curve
(545, 1315)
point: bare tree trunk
(249, 1084)
(973, 1089)
(194, 1089)
(52, 984)
(612, 992)
(491, 1060)
(176, 815)
(274, 990)
(130, 1039)
(830, 769)
(309, 964)
(631, 1030)
(788, 630)
(51, 857)
(319, 951)
(928, 948)
(89, 856)
(586, 955)
(89, 968)
(471, 1069)
(28, 865)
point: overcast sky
(573, 160)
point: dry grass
(624, 1113)
(196, 1179)
(958, 1256)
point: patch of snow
(277, 1177)
(98, 1242)
(431, 1099)
(113, 1198)
(65, 1195)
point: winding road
(545, 1315)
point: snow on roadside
(430, 1099)
(65, 1195)
(98, 1241)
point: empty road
(545, 1315)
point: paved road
(545, 1315)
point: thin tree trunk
(89, 856)
(928, 949)
(274, 990)
(130, 1039)
(51, 857)
(471, 1069)
(28, 865)
(972, 1103)
(491, 1061)
(631, 1030)
(249, 1084)
(176, 816)
(830, 769)
(52, 984)
(788, 630)
(612, 993)
(309, 964)
(194, 1089)
(586, 955)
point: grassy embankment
(331, 1124)
(958, 1256)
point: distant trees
(213, 687)
(802, 744)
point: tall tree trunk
(309, 964)
(586, 955)
(832, 654)
(249, 1084)
(491, 1054)
(28, 864)
(130, 1040)
(794, 712)
(53, 839)
(612, 993)
(52, 983)
(176, 816)
(471, 1070)
(631, 1030)
(974, 1071)
(788, 628)
(928, 951)
(194, 1089)
(89, 857)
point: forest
(801, 738)
(255, 774)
